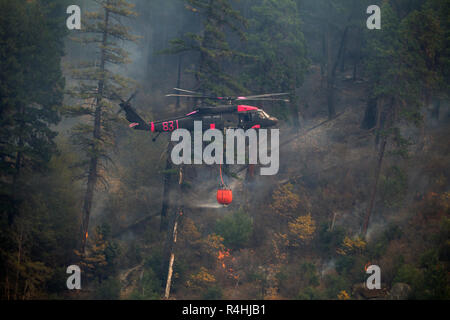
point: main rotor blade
(263, 95)
(264, 99)
(193, 96)
(260, 97)
(185, 95)
(184, 90)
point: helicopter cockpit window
(263, 115)
(247, 117)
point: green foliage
(310, 274)
(38, 245)
(436, 282)
(297, 277)
(443, 240)
(133, 253)
(213, 293)
(384, 65)
(109, 289)
(277, 42)
(429, 280)
(148, 288)
(344, 264)
(153, 262)
(408, 274)
(377, 248)
(352, 268)
(329, 241)
(310, 293)
(98, 84)
(423, 41)
(334, 285)
(31, 93)
(236, 229)
(400, 144)
(393, 232)
(393, 187)
(219, 22)
(405, 61)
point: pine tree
(98, 87)
(31, 94)
(276, 41)
(219, 20)
(404, 69)
(101, 255)
(333, 22)
(31, 90)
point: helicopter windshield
(263, 115)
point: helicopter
(222, 116)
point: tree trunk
(93, 165)
(171, 232)
(375, 186)
(166, 191)
(333, 220)
(294, 112)
(88, 197)
(16, 176)
(330, 80)
(358, 55)
(436, 109)
(389, 119)
(15, 198)
(323, 62)
(172, 257)
(342, 61)
(331, 70)
(370, 114)
(19, 260)
(180, 59)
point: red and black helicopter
(230, 115)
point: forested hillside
(364, 154)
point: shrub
(334, 285)
(408, 274)
(330, 240)
(154, 262)
(213, 293)
(310, 293)
(236, 229)
(393, 187)
(309, 273)
(109, 289)
(148, 287)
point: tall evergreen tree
(219, 21)
(98, 86)
(31, 94)
(334, 28)
(31, 90)
(276, 41)
(404, 69)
